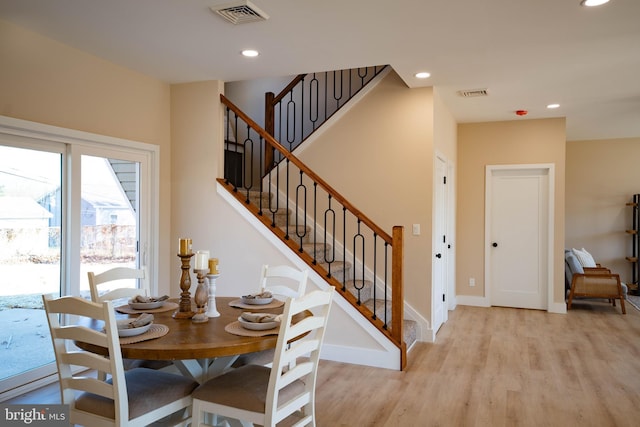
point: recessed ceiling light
(591, 3)
(552, 106)
(423, 75)
(250, 53)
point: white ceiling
(527, 53)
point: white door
(518, 243)
(439, 265)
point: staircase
(340, 243)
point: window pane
(109, 217)
(30, 251)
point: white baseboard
(556, 307)
(472, 300)
(361, 356)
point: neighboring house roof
(22, 208)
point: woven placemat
(236, 328)
(237, 303)
(167, 306)
(155, 331)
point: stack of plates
(125, 331)
(256, 326)
(247, 299)
(145, 305)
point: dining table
(199, 350)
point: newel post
(397, 290)
(269, 126)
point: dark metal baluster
(337, 97)
(326, 93)
(262, 167)
(302, 105)
(358, 286)
(313, 84)
(386, 269)
(273, 209)
(344, 248)
(280, 126)
(315, 221)
(286, 212)
(363, 75)
(248, 156)
(375, 271)
(291, 121)
(329, 213)
(301, 188)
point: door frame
(489, 171)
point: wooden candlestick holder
(184, 310)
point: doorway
(519, 236)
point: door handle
(494, 244)
(438, 255)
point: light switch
(416, 229)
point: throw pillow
(585, 258)
(574, 264)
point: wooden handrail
(304, 168)
(288, 89)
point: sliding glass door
(68, 205)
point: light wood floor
(492, 367)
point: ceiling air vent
(472, 93)
(240, 12)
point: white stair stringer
(350, 337)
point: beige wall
(44, 81)
(380, 157)
(496, 143)
(602, 176)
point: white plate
(255, 326)
(256, 301)
(123, 331)
(145, 305)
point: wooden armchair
(592, 282)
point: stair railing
(308, 101)
(320, 217)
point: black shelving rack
(634, 289)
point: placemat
(155, 331)
(237, 303)
(236, 328)
(168, 306)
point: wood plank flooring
(492, 367)
(500, 367)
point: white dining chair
(265, 396)
(283, 281)
(137, 397)
(104, 287)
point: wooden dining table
(199, 350)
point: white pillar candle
(202, 260)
